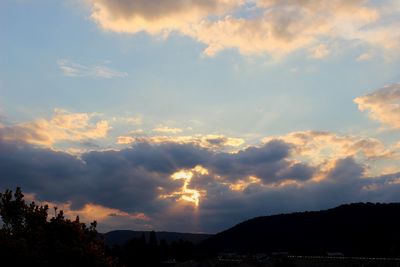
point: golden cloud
(383, 105)
(323, 149)
(63, 126)
(125, 140)
(274, 27)
(318, 146)
(286, 26)
(155, 16)
(90, 211)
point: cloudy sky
(193, 115)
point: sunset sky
(193, 115)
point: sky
(194, 115)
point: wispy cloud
(209, 141)
(320, 51)
(365, 57)
(134, 120)
(74, 69)
(166, 129)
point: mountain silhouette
(362, 229)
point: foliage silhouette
(28, 238)
(151, 253)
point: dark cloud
(346, 169)
(45, 172)
(269, 162)
(154, 9)
(108, 178)
(130, 180)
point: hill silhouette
(362, 229)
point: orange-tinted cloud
(155, 16)
(274, 27)
(318, 146)
(382, 105)
(94, 212)
(62, 126)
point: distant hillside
(120, 237)
(354, 230)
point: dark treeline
(142, 252)
(120, 237)
(29, 238)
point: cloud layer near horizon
(146, 186)
(273, 27)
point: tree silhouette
(28, 238)
(153, 240)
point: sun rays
(186, 194)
